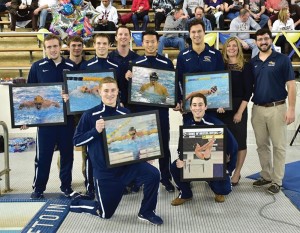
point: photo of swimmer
(153, 87)
(202, 149)
(216, 86)
(132, 138)
(82, 87)
(37, 104)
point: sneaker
(219, 198)
(154, 219)
(169, 187)
(261, 182)
(69, 192)
(135, 188)
(179, 201)
(37, 195)
(274, 188)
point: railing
(6, 170)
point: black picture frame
(141, 92)
(218, 81)
(81, 86)
(199, 165)
(121, 147)
(37, 104)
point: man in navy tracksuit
(199, 57)
(154, 60)
(110, 182)
(198, 106)
(49, 70)
(99, 62)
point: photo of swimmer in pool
(153, 87)
(132, 138)
(37, 105)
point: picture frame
(38, 104)
(160, 93)
(217, 83)
(203, 150)
(82, 88)
(132, 138)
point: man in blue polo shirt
(273, 72)
(49, 70)
(199, 57)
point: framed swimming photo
(82, 87)
(153, 87)
(37, 104)
(202, 149)
(216, 86)
(132, 138)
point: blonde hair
(107, 80)
(283, 15)
(240, 54)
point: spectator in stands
(244, 23)
(21, 11)
(175, 21)
(274, 6)
(140, 10)
(294, 14)
(216, 8)
(44, 11)
(283, 23)
(199, 14)
(190, 5)
(256, 9)
(107, 20)
(232, 8)
(4, 5)
(162, 8)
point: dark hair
(52, 37)
(153, 75)
(263, 31)
(125, 27)
(196, 22)
(101, 35)
(199, 95)
(199, 7)
(75, 39)
(150, 32)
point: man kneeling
(111, 182)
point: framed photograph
(82, 87)
(203, 151)
(153, 87)
(37, 104)
(216, 86)
(132, 138)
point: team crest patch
(207, 58)
(271, 63)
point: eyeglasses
(263, 39)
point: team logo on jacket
(66, 70)
(271, 63)
(207, 58)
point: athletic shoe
(169, 187)
(261, 182)
(37, 195)
(153, 219)
(274, 188)
(69, 192)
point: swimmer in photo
(94, 90)
(154, 86)
(204, 152)
(39, 102)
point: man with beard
(273, 72)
